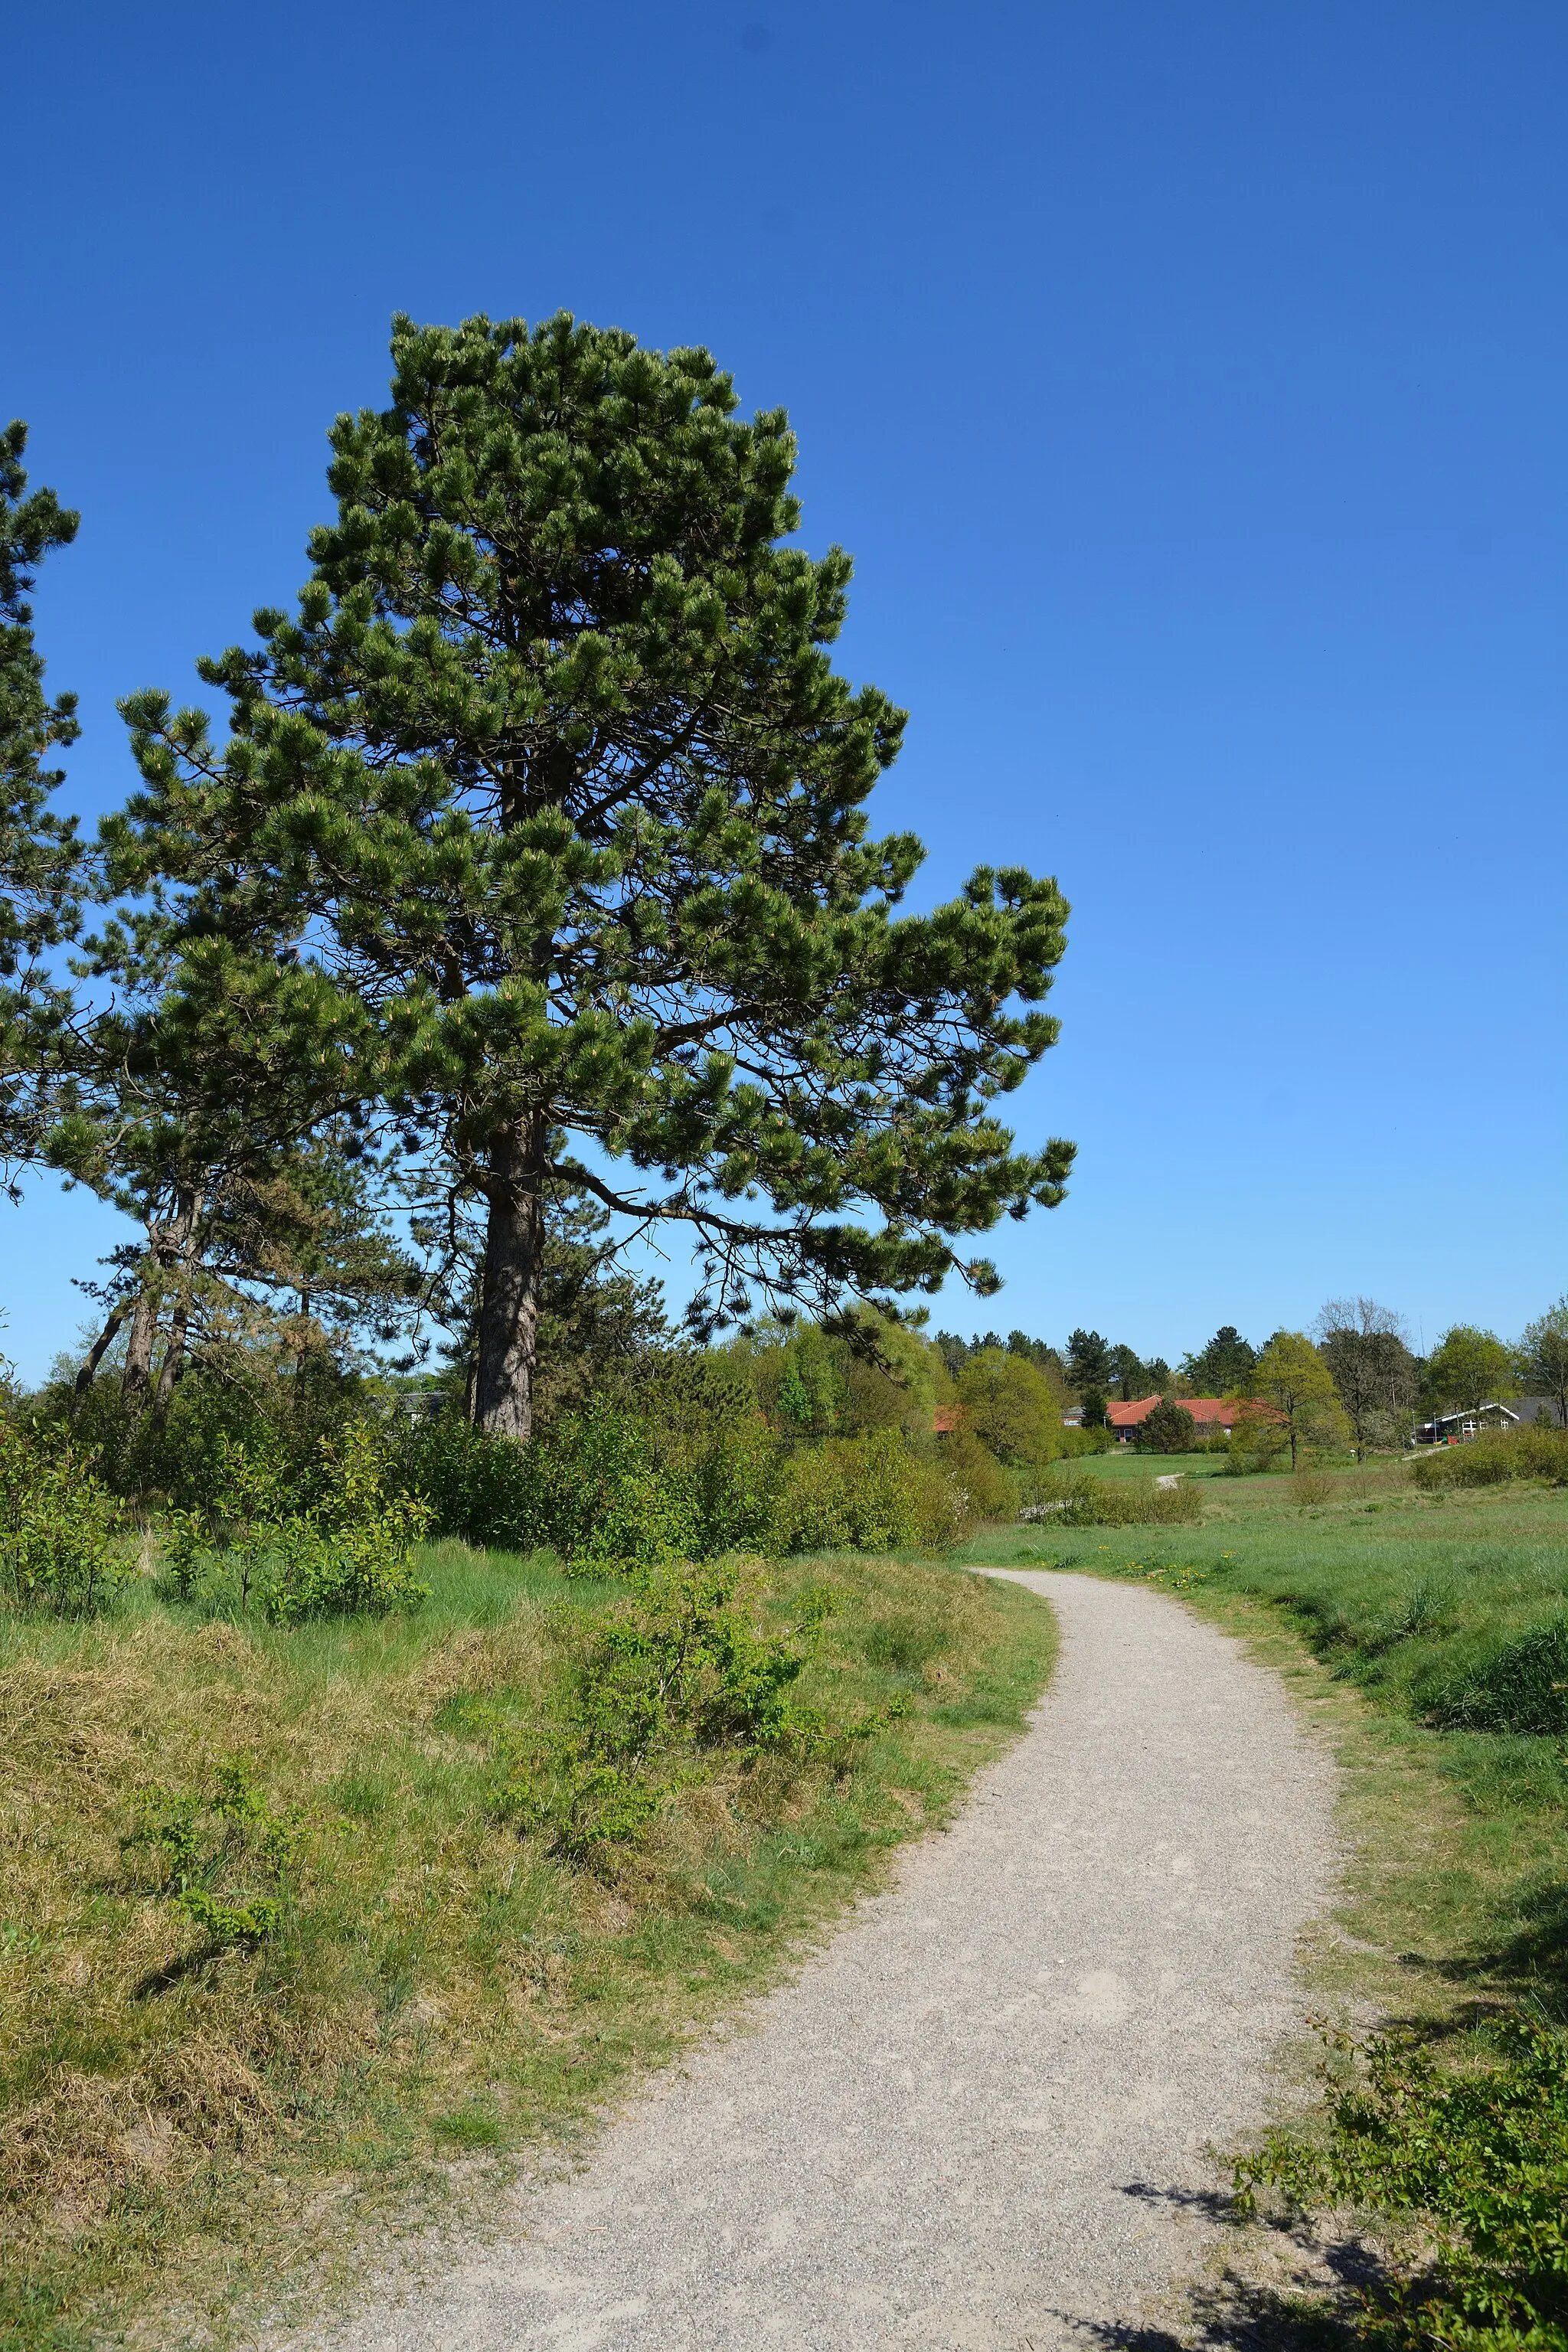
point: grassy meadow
(1425, 1630)
(188, 2119)
(197, 2115)
(1424, 1634)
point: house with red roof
(1216, 1416)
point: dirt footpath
(962, 2125)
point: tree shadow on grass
(1535, 1959)
(174, 1972)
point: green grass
(1392, 1615)
(181, 2127)
(1403, 1618)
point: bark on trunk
(139, 1346)
(101, 1347)
(172, 1245)
(174, 1355)
(513, 1275)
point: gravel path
(940, 2136)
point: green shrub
(1073, 1499)
(348, 1553)
(1519, 1684)
(251, 1402)
(866, 1494)
(205, 1840)
(678, 1668)
(1077, 1443)
(1528, 1452)
(990, 1490)
(605, 1488)
(1169, 1429)
(57, 1526)
(1479, 2159)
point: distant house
(946, 1419)
(1458, 1428)
(1216, 1416)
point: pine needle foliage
(551, 776)
(40, 858)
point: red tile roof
(946, 1417)
(1222, 1410)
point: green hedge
(1527, 1453)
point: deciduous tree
(1011, 1407)
(1292, 1377)
(1544, 1356)
(552, 774)
(1469, 1367)
(1376, 1376)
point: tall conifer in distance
(40, 858)
(552, 774)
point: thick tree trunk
(101, 1347)
(513, 1275)
(174, 1355)
(138, 1369)
(172, 1245)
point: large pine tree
(552, 774)
(41, 863)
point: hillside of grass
(298, 1930)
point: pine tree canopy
(551, 776)
(40, 859)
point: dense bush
(283, 1410)
(57, 1526)
(604, 1489)
(1528, 1452)
(1169, 1429)
(347, 1553)
(1073, 1499)
(680, 1667)
(1479, 2160)
(990, 1490)
(864, 1494)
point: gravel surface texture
(978, 2117)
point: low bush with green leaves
(866, 1494)
(678, 1671)
(348, 1552)
(1476, 2161)
(59, 1526)
(209, 1839)
(1493, 1461)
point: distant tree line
(1354, 1374)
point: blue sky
(1188, 385)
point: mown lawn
(184, 2121)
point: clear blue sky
(1189, 385)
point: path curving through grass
(978, 2117)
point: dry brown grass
(440, 1985)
